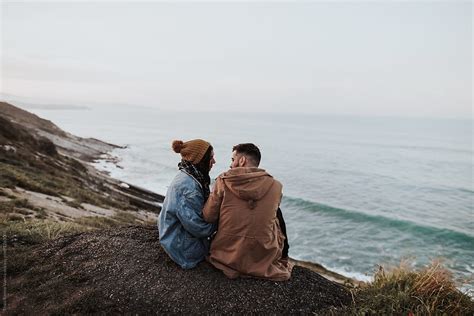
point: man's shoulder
(277, 184)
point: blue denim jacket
(183, 231)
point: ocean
(358, 191)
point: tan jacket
(249, 240)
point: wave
(381, 221)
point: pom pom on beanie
(177, 145)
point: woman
(184, 234)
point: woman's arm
(190, 216)
(212, 208)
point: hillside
(42, 181)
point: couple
(242, 214)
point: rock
(9, 148)
(124, 185)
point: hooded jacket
(249, 240)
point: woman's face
(212, 161)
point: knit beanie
(192, 151)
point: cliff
(78, 241)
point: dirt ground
(126, 271)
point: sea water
(358, 191)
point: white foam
(354, 275)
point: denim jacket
(183, 232)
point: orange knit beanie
(192, 151)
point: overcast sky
(365, 58)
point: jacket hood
(249, 184)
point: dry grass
(404, 291)
(125, 218)
(32, 231)
(15, 205)
(36, 231)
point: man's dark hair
(249, 150)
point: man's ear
(242, 161)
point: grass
(404, 291)
(15, 205)
(98, 222)
(119, 219)
(41, 213)
(74, 204)
(56, 182)
(125, 218)
(40, 229)
(37, 231)
(6, 194)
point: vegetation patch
(33, 231)
(41, 213)
(15, 205)
(404, 291)
(35, 165)
(36, 231)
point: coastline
(89, 152)
(59, 212)
(93, 240)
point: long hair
(203, 165)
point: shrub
(403, 291)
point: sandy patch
(56, 206)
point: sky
(409, 58)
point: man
(249, 240)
